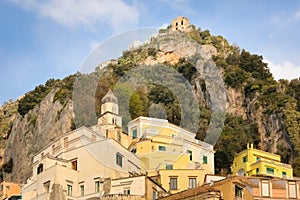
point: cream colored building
(141, 185)
(76, 165)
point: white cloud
(284, 70)
(115, 13)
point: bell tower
(110, 111)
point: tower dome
(109, 97)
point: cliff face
(29, 134)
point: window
(204, 159)
(7, 187)
(265, 188)
(257, 158)
(292, 189)
(82, 190)
(169, 166)
(97, 186)
(283, 174)
(126, 191)
(257, 170)
(173, 183)
(119, 136)
(46, 186)
(134, 134)
(238, 192)
(40, 169)
(192, 182)
(153, 195)
(270, 170)
(74, 165)
(69, 192)
(191, 154)
(119, 159)
(161, 148)
(245, 159)
(133, 151)
(181, 22)
(176, 24)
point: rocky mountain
(259, 109)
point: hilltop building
(251, 162)
(181, 24)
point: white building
(77, 165)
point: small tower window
(181, 22)
(74, 165)
(40, 169)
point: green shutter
(204, 159)
(134, 134)
(161, 148)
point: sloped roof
(109, 97)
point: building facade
(252, 162)
(76, 165)
(242, 188)
(140, 185)
(171, 152)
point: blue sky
(47, 39)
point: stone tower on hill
(181, 24)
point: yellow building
(8, 190)
(170, 152)
(256, 162)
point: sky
(43, 39)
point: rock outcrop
(29, 134)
